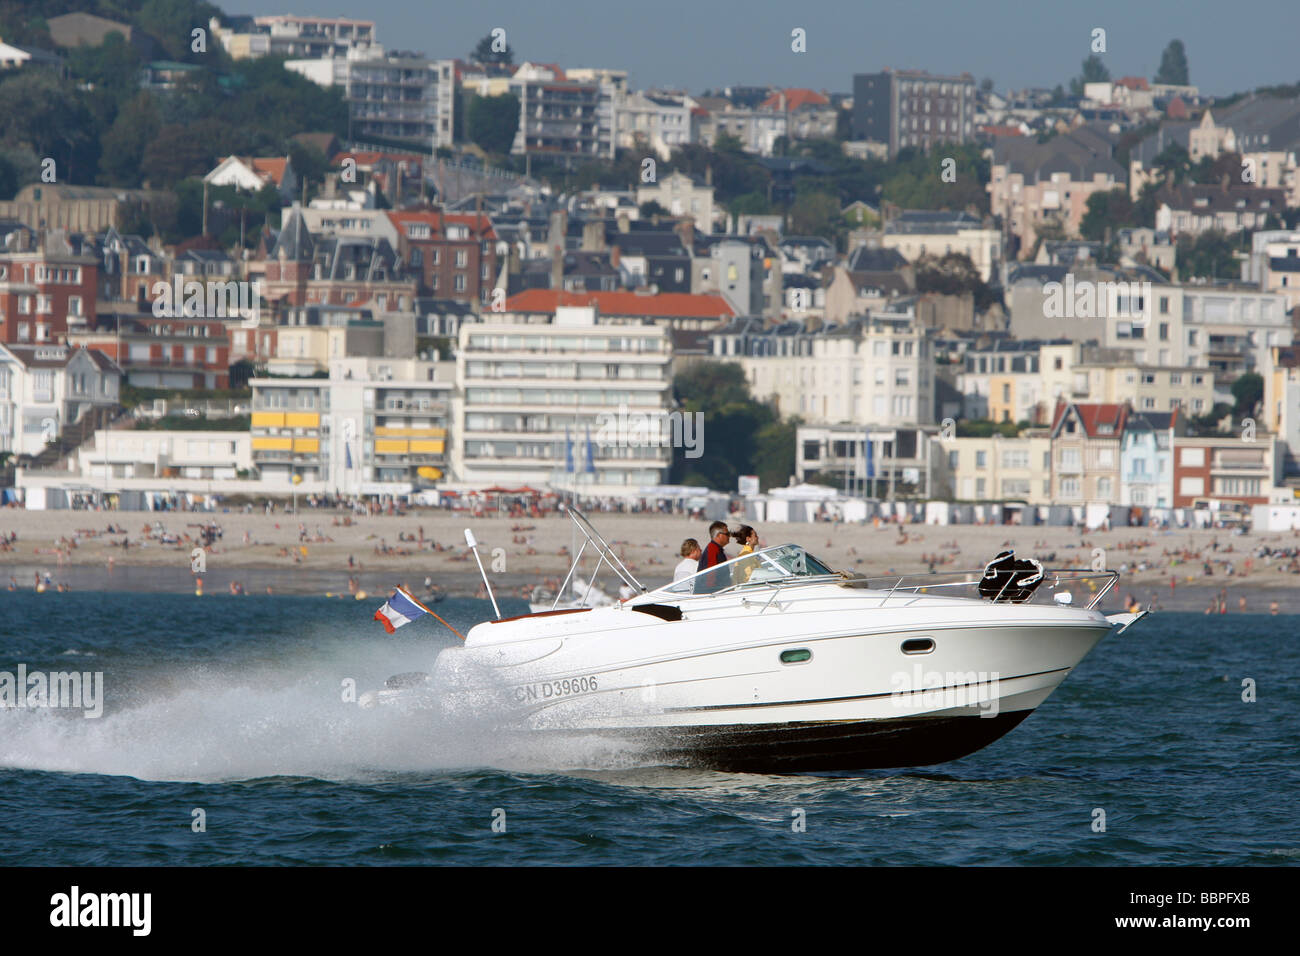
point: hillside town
(465, 275)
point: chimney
(593, 235)
(559, 226)
(686, 230)
(557, 267)
(708, 175)
(615, 256)
(624, 223)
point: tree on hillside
(122, 145)
(1173, 65)
(492, 121)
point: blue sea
(226, 738)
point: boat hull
(808, 747)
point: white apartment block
(878, 370)
(533, 393)
(394, 96)
(368, 429)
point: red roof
(1133, 82)
(480, 227)
(794, 99)
(369, 158)
(1093, 416)
(1005, 130)
(272, 169)
(662, 305)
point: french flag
(399, 609)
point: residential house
(253, 173)
(1086, 445)
(1146, 458)
(46, 388)
(915, 233)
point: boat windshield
(779, 564)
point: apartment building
(997, 467)
(911, 108)
(559, 117)
(291, 36)
(1033, 184)
(398, 96)
(867, 461)
(534, 392)
(453, 256)
(46, 287)
(1227, 468)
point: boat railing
(1058, 585)
(602, 547)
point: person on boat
(714, 553)
(690, 562)
(748, 539)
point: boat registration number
(552, 689)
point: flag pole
(473, 546)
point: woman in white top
(690, 560)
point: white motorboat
(773, 662)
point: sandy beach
(317, 551)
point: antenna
(473, 546)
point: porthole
(918, 645)
(798, 655)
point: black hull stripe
(838, 700)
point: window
(981, 459)
(1069, 487)
(1070, 459)
(1103, 488)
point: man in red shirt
(714, 554)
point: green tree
(122, 145)
(815, 214)
(172, 22)
(774, 452)
(1173, 65)
(1209, 255)
(51, 117)
(1247, 392)
(309, 164)
(483, 53)
(113, 67)
(732, 424)
(492, 121)
(178, 152)
(1094, 71)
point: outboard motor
(1011, 579)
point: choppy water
(235, 706)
